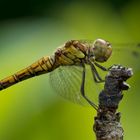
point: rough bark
(107, 122)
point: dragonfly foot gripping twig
(107, 122)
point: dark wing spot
(138, 45)
(135, 54)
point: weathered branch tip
(107, 122)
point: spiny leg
(102, 67)
(83, 89)
(94, 77)
(95, 74)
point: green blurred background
(30, 29)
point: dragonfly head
(102, 50)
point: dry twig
(107, 122)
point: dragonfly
(67, 68)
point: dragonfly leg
(83, 90)
(101, 67)
(95, 74)
(95, 78)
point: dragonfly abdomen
(72, 53)
(43, 65)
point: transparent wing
(127, 55)
(66, 81)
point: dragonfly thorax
(101, 50)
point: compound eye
(100, 42)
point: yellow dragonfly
(67, 67)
